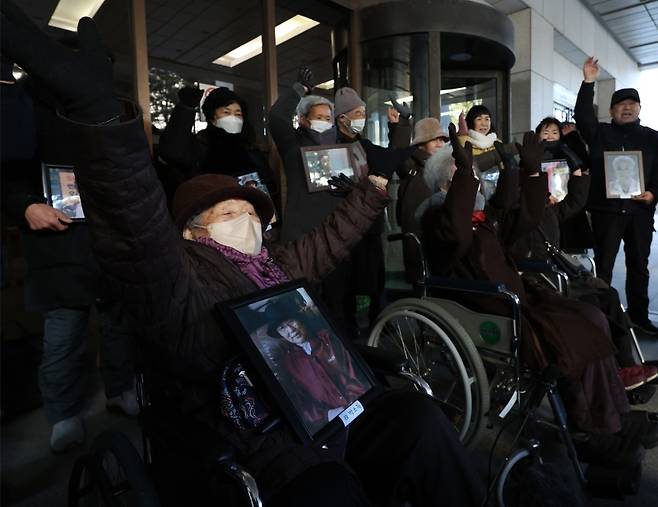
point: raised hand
(531, 152)
(463, 155)
(402, 108)
(189, 96)
(305, 77)
(82, 81)
(591, 70)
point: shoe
(646, 326)
(67, 434)
(126, 402)
(650, 372)
(632, 376)
(606, 449)
(640, 426)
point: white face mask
(241, 233)
(321, 125)
(357, 125)
(232, 124)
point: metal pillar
(434, 73)
(269, 53)
(141, 73)
(355, 55)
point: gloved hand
(305, 77)
(400, 107)
(463, 155)
(189, 96)
(531, 152)
(506, 156)
(341, 185)
(574, 161)
(82, 81)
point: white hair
(306, 103)
(438, 168)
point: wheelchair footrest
(642, 394)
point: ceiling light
(452, 90)
(327, 85)
(283, 32)
(68, 13)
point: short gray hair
(438, 168)
(305, 105)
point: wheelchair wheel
(510, 479)
(441, 352)
(111, 475)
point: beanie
(221, 97)
(346, 100)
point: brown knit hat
(427, 129)
(206, 190)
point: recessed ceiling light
(68, 13)
(283, 32)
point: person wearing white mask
(226, 146)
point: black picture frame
(333, 159)
(61, 190)
(282, 371)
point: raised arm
(576, 198)
(281, 116)
(178, 146)
(586, 121)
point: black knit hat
(206, 190)
(221, 97)
(474, 112)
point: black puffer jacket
(614, 137)
(169, 286)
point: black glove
(506, 156)
(305, 77)
(531, 152)
(189, 96)
(400, 107)
(463, 155)
(341, 185)
(82, 81)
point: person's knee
(325, 485)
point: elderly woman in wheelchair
(169, 277)
(467, 240)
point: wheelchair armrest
(199, 439)
(534, 266)
(381, 360)
(465, 285)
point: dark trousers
(402, 449)
(338, 295)
(609, 230)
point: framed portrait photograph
(252, 179)
(312, 374)
(624, 174)
(557, 172)
(323, 162)
(61, 190)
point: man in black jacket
(617, 219)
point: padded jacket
(614, 137)
(169, 285)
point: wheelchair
(114, 473)
(463, 337)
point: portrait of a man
(624, 177)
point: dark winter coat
(602, 137)
(303, 210)
(61, 269)
(532, 244)
(169, 286)
(212, 150)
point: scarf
(480, 140)
(260, 269)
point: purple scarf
(260, 269)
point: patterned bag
(240, 404)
